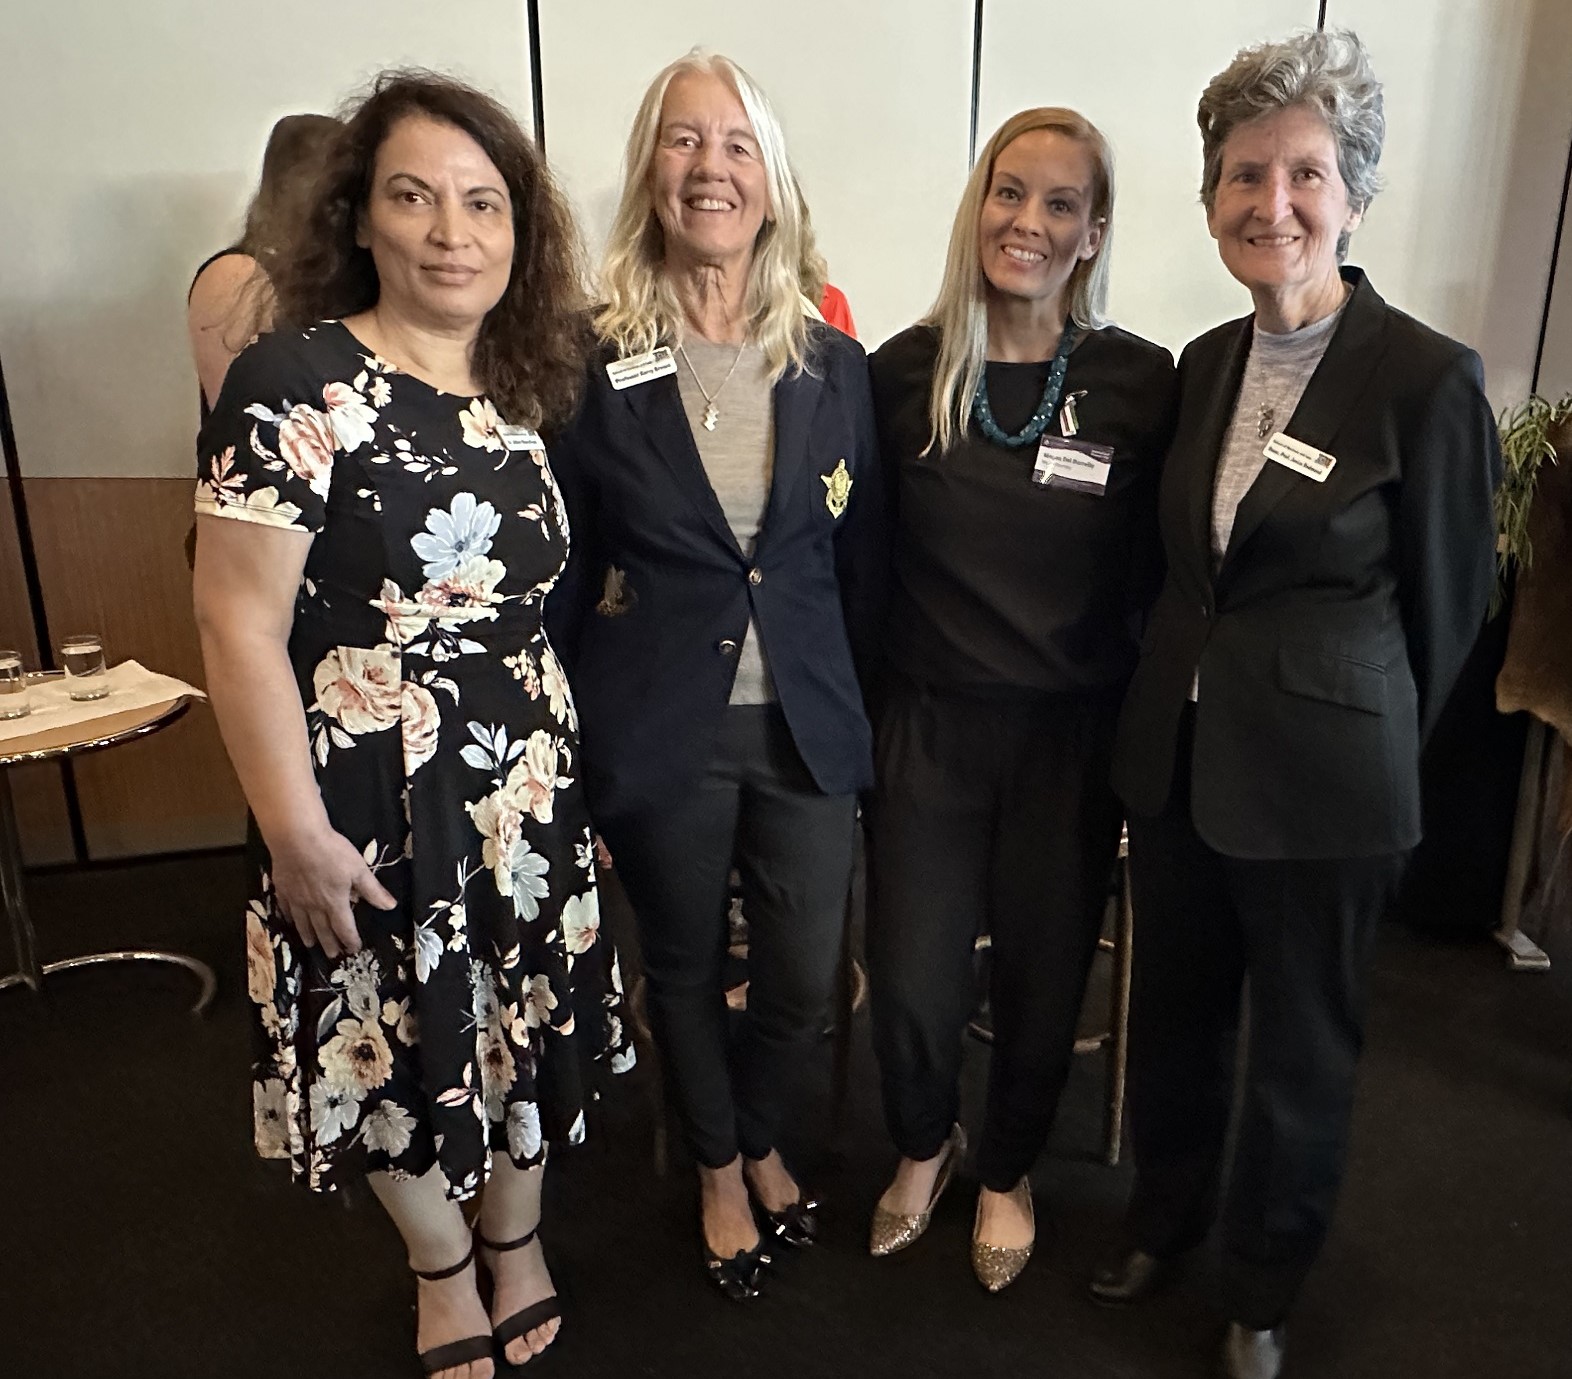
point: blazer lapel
(796, 400)
(1202, 449)
(658, 407)
(1332, 394)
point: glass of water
(82, 659)
(13, 685)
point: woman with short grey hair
(1326, 513)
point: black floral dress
(445, 745)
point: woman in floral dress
(379, 529)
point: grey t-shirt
(739, 458)
(1275, 378)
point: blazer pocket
(1333, 679)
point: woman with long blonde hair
(719, 608)
(1023, 434)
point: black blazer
(651, 655)
(1329, 639)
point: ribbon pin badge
(839, 486)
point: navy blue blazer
(1329, 639)
(651, 611)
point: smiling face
(1037, 219)
(1279, 209)
(707, 179)
(439, 225)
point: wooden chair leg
(845, 1008)
(649, 1055)
(1119, 1014)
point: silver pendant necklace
(711, 405)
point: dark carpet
(139, 1237)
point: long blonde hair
(640, 309)
(960, 312)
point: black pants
(1302, 931)
(755, 807)
(996, 815)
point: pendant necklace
(982, 413)
(711, 407)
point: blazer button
(727, 647)
(755, 575)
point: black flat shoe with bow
(794, 1225)
(741, 1276)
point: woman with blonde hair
(1021, 433)
(720, 606)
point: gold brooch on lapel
(839, 485)
(617, 596)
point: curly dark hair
(531, 350)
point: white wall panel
(1479, 111)
(875, 98)
(1555, 371)
(133, 137)
(1136, 70)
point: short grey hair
(1330, 72)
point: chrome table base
(29, 971)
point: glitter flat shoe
(998, 1266)
(892, 1231)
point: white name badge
(520, 438)
(640, 368)
(1072, 464)
(1299, 457)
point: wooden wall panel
(40, 799)
(111, 559)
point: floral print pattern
(420, 611)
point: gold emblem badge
(839, 485)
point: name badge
(1076, 465)
(1299, 457)
(640, 368)
(520, 438)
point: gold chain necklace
(711, 407)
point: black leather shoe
(740, 1277)
(794, 1225)
(1132, 1277)
(1249, 1354)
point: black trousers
(987, 814)
(1302, 932)
(755, 808)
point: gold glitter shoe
(892, 1231)
(998, 1266)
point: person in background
(828, 300)
(230, 301)
(721, 604)
(1327, 518)
(1021, 433)
(380, 527)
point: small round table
(48, 745)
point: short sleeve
(266, 452)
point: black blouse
(1002, 584)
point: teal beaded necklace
(982, 413)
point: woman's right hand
(317, 878)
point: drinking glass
(82, 659)
(13, 686)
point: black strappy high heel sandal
(454, 1353)
(526, 1319)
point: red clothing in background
(835, 310)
